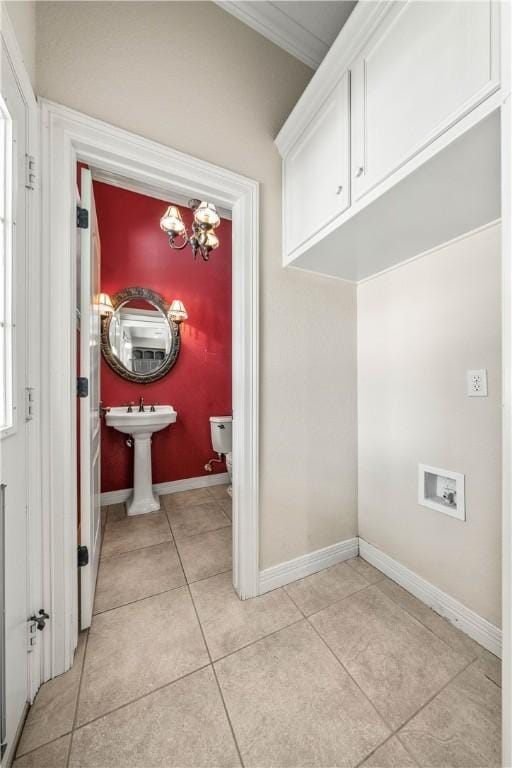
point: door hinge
(82, 217)
(30, 172)
(83, 555)
(29, 403)
(82, 386)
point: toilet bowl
(221, 428)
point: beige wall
(139, 65)
(23, 19)
(420, 328)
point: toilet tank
(221, 428)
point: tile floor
(343, 668)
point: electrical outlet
(477, 383)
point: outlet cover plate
(477, 383)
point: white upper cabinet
(373, 165)
(425, 66)
(317, 170)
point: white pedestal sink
(141, 425)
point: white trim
(284, 573)
(114, 180)
(68, 135)
(276, 25)
(173, 486)
(465, 124)
(34, 459)
(356, 31)
(464, 618)
(506, 283)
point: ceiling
(304, 28)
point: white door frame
(35, 595)
(68, 135)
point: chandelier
(203, 239)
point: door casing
(33, 367)
(67, 137)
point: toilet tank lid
(218, 419)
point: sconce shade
(206, 213)
(177, 311)
(105, 304)
(172, 222)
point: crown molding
(281, 29)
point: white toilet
(221, 430)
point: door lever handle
(40, 620)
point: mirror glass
(139, 341)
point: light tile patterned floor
(343, 668)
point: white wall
(23, 19)
(140, 65)
(420, 328)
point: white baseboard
(284, 573)
(464, 618)
(173, 486)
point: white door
(317, 170)
(13, 383)
(426, 66)
(90, 511)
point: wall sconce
(177, 311)
(202, 239)
(105, 304)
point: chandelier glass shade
(202, 239)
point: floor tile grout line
(365, 696)
(434, 695)
(202, 533)
(140, 599)
(395, 730)
(227, 716)
(258, 640)
(216, 679)
(41, 746)
(434, 634)
(350, 675)
(452, 626)
(77, 702)
(139, 698)
(213, 671)
(212, 664)
(74, 726)
(329, 605)
(370, 754)
(205, 578)
(138, 549)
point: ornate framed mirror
(139, 340)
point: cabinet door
(317, 170)
(425, 67)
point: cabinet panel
(317, 170)
(427, 65)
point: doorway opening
(68, 138)
(154, 426)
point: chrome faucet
(141, 405)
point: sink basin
(141, 425)
(141, 422)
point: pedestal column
(143, 499)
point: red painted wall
(134, 252)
